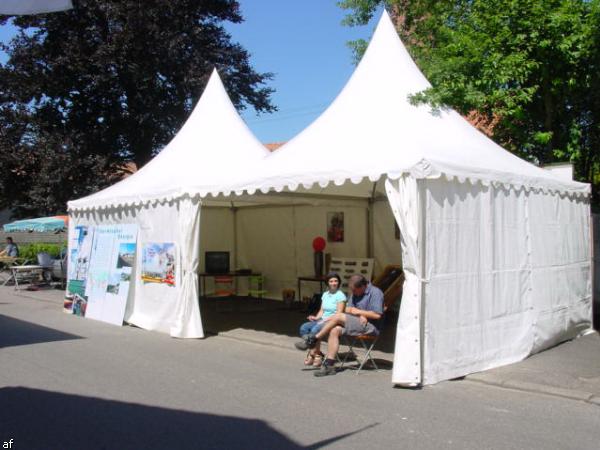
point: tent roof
(42, 224)
(371, 129)
(214, 145)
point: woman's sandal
(309, 360)
(318, 360)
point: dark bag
(314, 305)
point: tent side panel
(385, 244)
(561, 267)
(277, 240)
(187, 322)
(217, 225)
(311, 221)
(478, 304)
(154, 305)
(266, 244)
(405, 202)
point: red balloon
(318, 244)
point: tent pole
(421, 202)
(235, 246)
(370, 218)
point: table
(28, 269)
(234, 275)
(8, 261)
(321, 280)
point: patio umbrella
(42, 224)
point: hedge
(30, 251)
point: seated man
(363, 316)
(11, 250)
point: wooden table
(321, 280)
(32, 270)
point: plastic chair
(46, 261)
(224, 286)
(225, 291)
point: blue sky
(304, 45)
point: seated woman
(332, 301)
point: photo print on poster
(158, 263)
(335, 227)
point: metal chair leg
(367, 357)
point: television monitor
(216, 262)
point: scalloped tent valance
(372, 129)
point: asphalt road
(72, 383)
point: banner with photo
(80, 248)
(158, 263)
(110, 271)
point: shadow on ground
(15, 332)
(37, 419)
(271, 316)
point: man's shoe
(310, 340)
(325, 370)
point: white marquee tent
(495, 250)
(162, 198)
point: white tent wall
(272, 234)
(507, 274)
(266, 244)
(217, 234)
(160, 307)
(405, 200)
(277, 240)
(561, 267)
(386, 248)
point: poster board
(99, 284)
(158, 263)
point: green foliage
(30, 251)
(110, 81)
(529, 67)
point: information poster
(158, 263)
(80, 248)
(109, 274)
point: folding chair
(391, 282)
(367, 342)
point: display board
(99, 279)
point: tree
(525, 71)
(111, 81)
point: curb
(571, 394)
